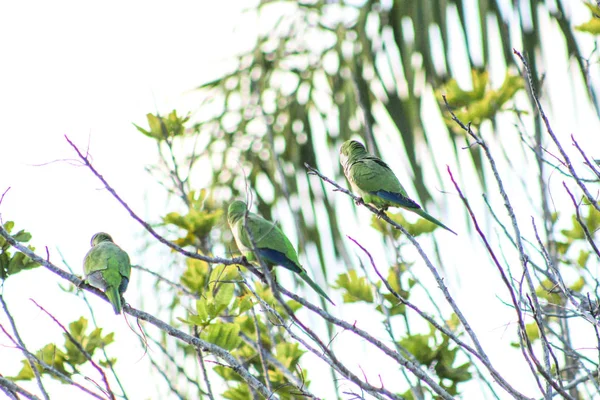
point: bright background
(88, 70)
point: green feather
(275, 248)
(375, 182)
(107, 267)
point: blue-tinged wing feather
(275, 257)
(397, 198)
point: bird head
(236, 210)
(100, 237)
(350, 150)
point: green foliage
(533, 334)
(578, 285)
(431, 352)
(13, 263)
(223, 335)
(420, 227)
(238, 392)
(198, 222)
(289, 355)
(395, 306)
(196, 275)
(223, 316)
(593, 25)
(356, 288)
(217, 297)
(164, 128)
(265, 293)
(479, 104)
(549, 292)
(591, 221)
(583, 258)
(532, 331)
(69, 358)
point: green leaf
(13, 263)
(224, 335)
(8, 226)
(227, 373)
(240, 392)
(549, 292)
(591, 221)
(198, 222)
(22, 236)
(224, 295)
(583, 258)
(593, 25)
(163, 128)
(195, 276)
(578, 285)
(289, 354)
(357, 288)
(264, 292)
(243, 303)
(25, 374)
(532, 331)
(419, 227)
(90, 342)
(53, 356)
(480, 104)
(418, 346)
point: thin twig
(584, 227)
(14, 388)
(214, 260)
(26, 353)
(203, 366)
(206, 346)
(167, 281)
(438, 279)
(551, 132)
(87, 355)
(50, 369)
(261, 357)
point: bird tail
(315, 287)
(431, 219)
(115, 298)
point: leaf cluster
(68, 358)
(13, 263)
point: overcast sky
(88, 70)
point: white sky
(89, 70)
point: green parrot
(107, 267)
(375, 182)
(273, 247)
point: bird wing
(105, 256)
(371, 174)
(266, 235)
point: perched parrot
(273, 247)
(375, 182)
(107, 268)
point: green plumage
(273, 247)
(107, 267)
(374, 181)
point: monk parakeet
(272, 246)
(107, 268)
(375, 182)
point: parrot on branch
(375, 183)
(107, 267)
(272, 246)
